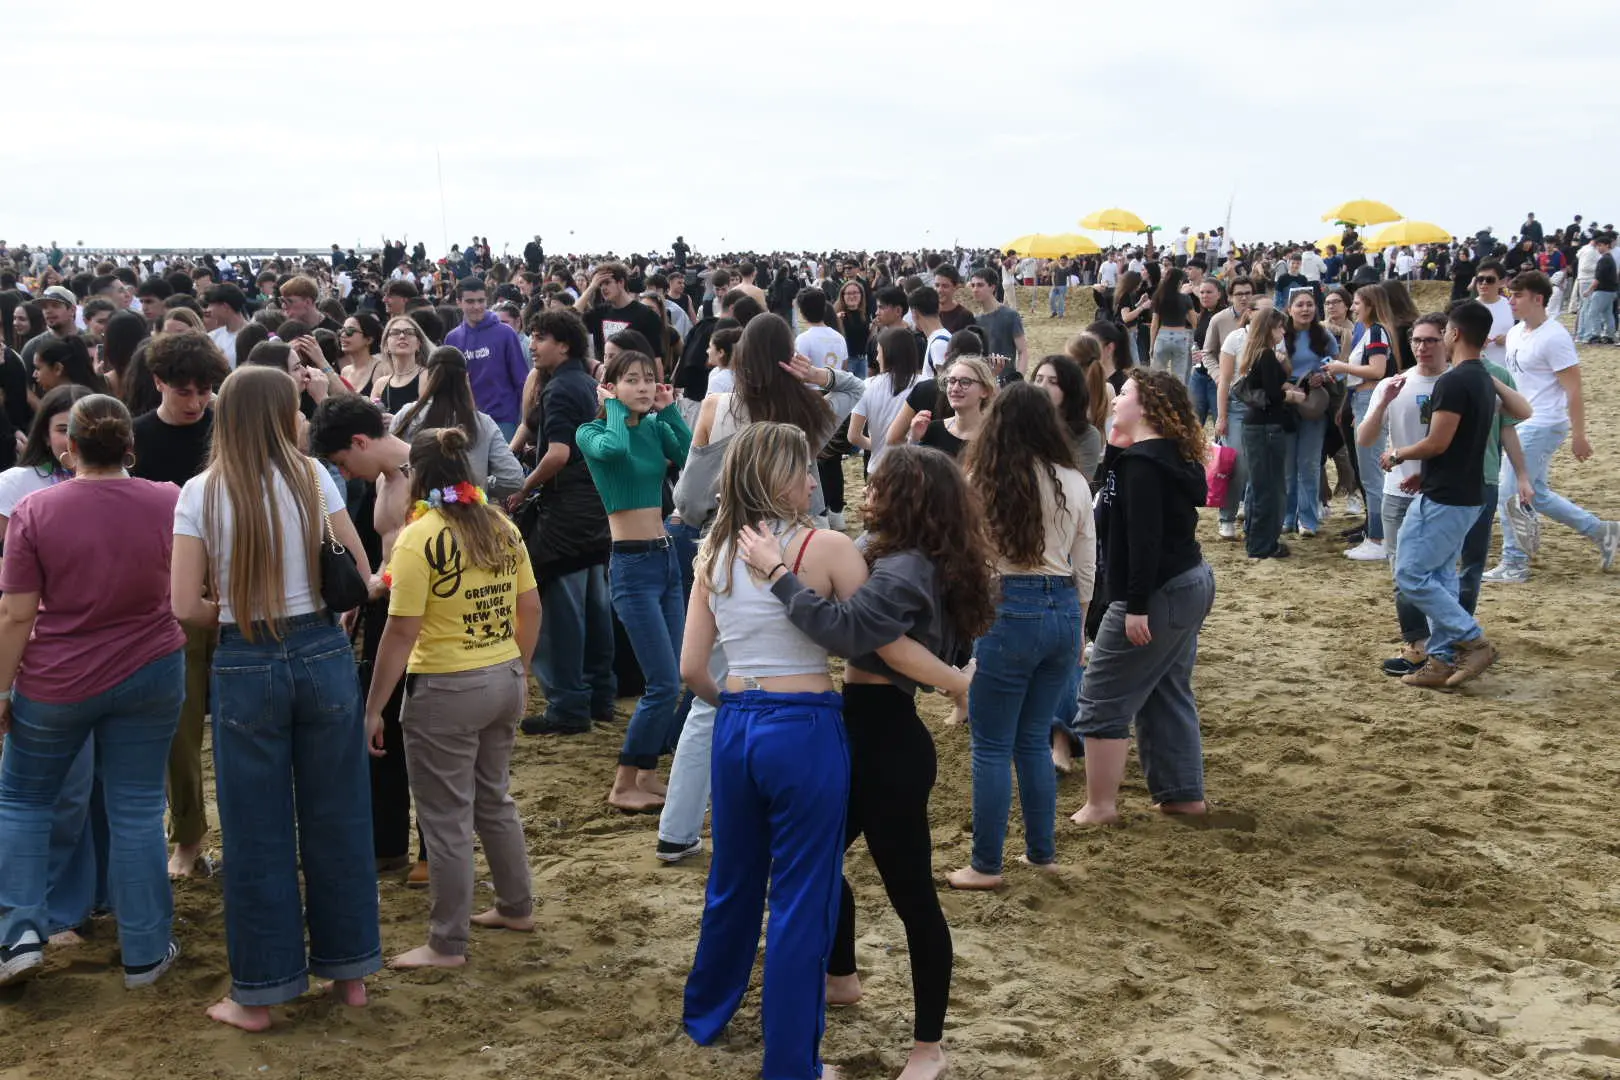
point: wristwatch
(1395, 456)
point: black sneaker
(22, 960)
(545, 725)
(147, 974)
(1397, 666)
(671, 851)
(1354, 535)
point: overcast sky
(846, 125)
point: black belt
(636, 547)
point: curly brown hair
(903, 496)
(1021, 434)
(1167, 409)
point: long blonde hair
(1262, 325)
(256, 437)
(762, 466)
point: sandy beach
(1410, 884)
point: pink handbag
(1220, 462)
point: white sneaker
(835, 520)
(1228, 530)
(1508, 575)
(1526, 526)
(1367, 551)
(1327, 512)
(1354, 506)
(1609, 543)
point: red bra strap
(799, 561)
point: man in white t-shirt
(1108, 273)
(924, 302)
(1541, 356)
(824, 346)
(1312, 265)
(1586, 260)
(227, 309)
(1490, 280)
(1400, 410)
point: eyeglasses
(962, 383)
(1424, 340)
(402, 333)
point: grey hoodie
(493, 463)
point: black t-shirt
(926, 396)
(940, 438)
(958, 318)
(1173, 316)
(1456, 476)
(171, 452)
(603, 322)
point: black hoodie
(1147, 520)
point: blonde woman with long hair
(779, 720)
(405, 351)
(1369, 361)
(289, 735)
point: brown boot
(418, 877)
(1473, 657)
(1435, 674)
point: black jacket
(1147, 520)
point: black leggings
(892, 769)
(831, 471)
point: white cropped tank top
(752, 627)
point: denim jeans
(648, 597)
(1205, 394)
(681, 821)
(291, 774)
(1172, 351)
(687, 541)
(1577, 305)
(1237, 489)
(1303, 468)
(573, 660)
(1058, 302)
(1265, 446)
(1414, 627)
(133, 723)
(1476, 552)
(1597, 315)
(1024, 661)
(1426, 571)
(1540, 443)
(1372, 474)
(857, 366)
(1152, 685)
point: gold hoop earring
(67, 465)
(129, 460)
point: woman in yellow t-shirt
(463, 618)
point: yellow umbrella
(1363, 212)
(1023, 244)
(1042, 246)
(1116, 220)
(1409, 232)
(1336, 239)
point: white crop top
(752, 627)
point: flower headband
(464, 493)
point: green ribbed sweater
(628, 463)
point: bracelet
(5, 695)
(774, 569)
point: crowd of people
(360, 501)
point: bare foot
(66, 939)
(843, 989)
(927, 1062)
(351, 992)
(971, 879)
(647, 780)
(959, 712)
(634, 800)
(1062, 755)
(494, 919)
(184, 860)
(247, 1017)
(425, 956)
(1096, 815)
(831, 1072)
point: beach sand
(1412, 884)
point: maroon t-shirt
(97, 552)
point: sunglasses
(1487, 280)
(348, 331)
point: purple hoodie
(495, 366)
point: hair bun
(452, 440)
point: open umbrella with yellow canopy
(1023, 244)
(1116, 220)
(1363, 212)
(1409, 232)
(1052, 247)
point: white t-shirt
(939, 343)
(1586, 261)
(1312, 266)
(1535, 357)
(722, 381)
(880, 405)
(1108, 274)
(1406, 421)
(226, 341)
(1501, 323)
(189, 513)
(824, 346)
(21, 481)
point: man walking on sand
(1451, 487)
